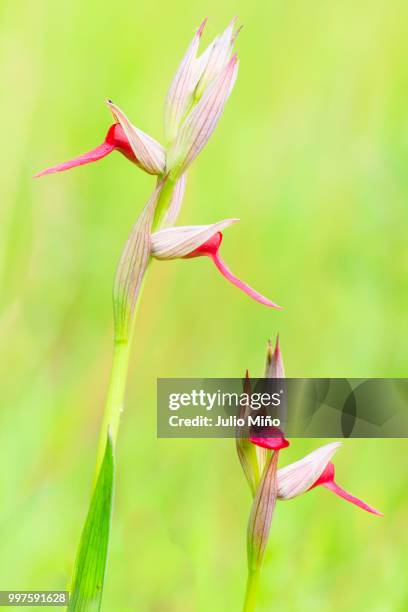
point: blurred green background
(311, 154)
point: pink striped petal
(181, 88)
(173, 210)
(298, 477)
(218, 57)
(176, 242)
(202, 120)
(149, 153)
(260, 519)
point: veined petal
(175, 242)
(218, 58)
(298, 477)
(149, 153)
(261, 514)
(132, 267)
(202, 120)
(181, 88)
(176, 201)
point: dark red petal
(270, 443)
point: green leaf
(90, 564)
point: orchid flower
(315, 469)
(194, 104)
(268, 483)
(197, 241)
(122, 136)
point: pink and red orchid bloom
(187, 242)
(315, 469)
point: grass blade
(90, 564)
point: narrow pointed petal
(202, 120)
(149, 154)
(175, 205)
(298, 477)
(86, 158)
(274, 362)
(226, 272)
(181, 88)
(218, 58)
(332, 486)
(175, 242)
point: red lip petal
(270, 443)
(332, 486)
(226, 272)
(86, 158)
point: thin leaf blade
(90, 564)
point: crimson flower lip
(187, 242)
(326, 479)
(122, 136)
(115, 140)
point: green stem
(120, 364)
(115, 398)
(251, 590)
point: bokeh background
(311, 154)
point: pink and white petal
(174, 207)
(298, 477)
(218, 58)
(202, 120)
(181, 88)
(176, 242)
(149, 153)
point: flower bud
(202, 120)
